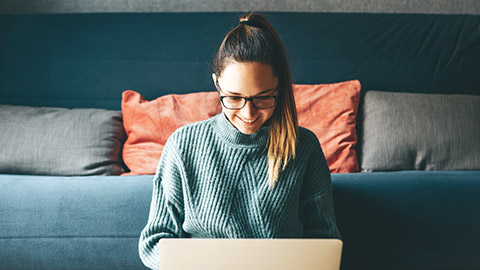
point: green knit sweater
(212, 182)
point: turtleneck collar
(227, 132)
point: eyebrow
(261, 93)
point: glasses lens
(264, 102)
(233, 102)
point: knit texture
(212, 182)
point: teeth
(248, 121)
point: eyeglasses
(238, 102)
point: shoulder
(190, 137)
(186, 140)
(306, 136)
(308, 143)
(310, 153)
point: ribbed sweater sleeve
(166, 209)
(317, 209)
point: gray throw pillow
(408, 131)
(59, 141)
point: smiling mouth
(248, 121)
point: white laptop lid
(251, 254)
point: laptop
(251, 254)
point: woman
(249, 172)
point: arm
(317, 202)
(166, 209)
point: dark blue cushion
(395, 220)
(409, 219)
(90, 222)
(87, 60)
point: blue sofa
(404, 219)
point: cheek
(268, 113)
(229, 114)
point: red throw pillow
(148, 124)
(330, 111)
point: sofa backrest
(88, 60)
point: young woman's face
(250, 79)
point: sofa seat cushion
(94, 222)
(409, 219)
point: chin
(244, 127)
(248, 132)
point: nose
(248, 111)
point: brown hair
(255, 40)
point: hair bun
(244, 21)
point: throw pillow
(330, 111)
(59, 141)
(148, 124)
(409, 131)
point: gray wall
(387, 6)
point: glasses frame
(245, 99)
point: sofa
(69, 200)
